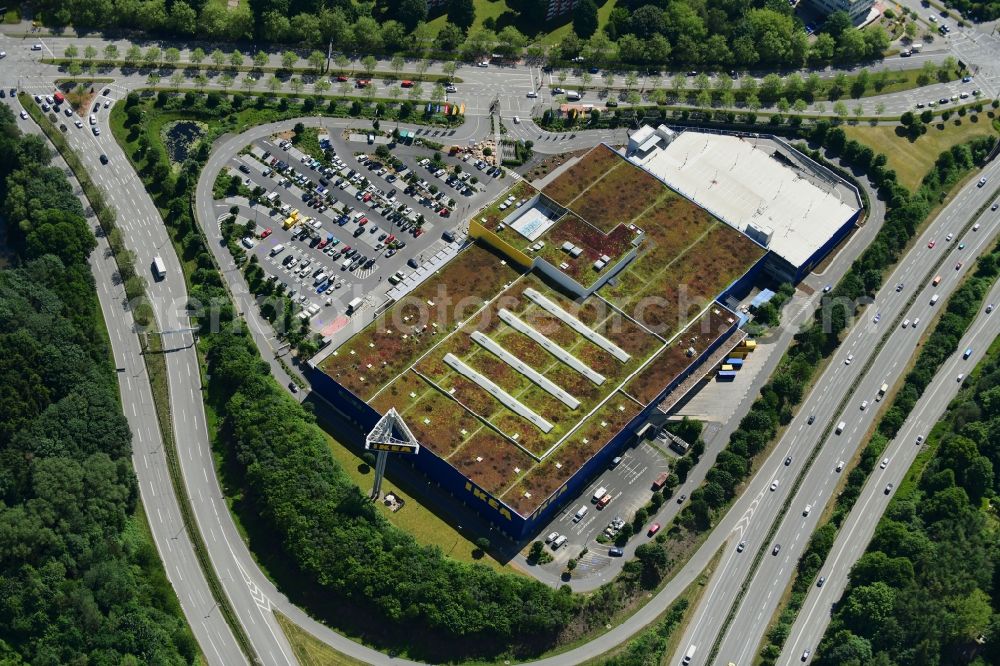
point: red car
(321, 245)
(931, 244)
(653, 529)
(363, 221)
(265, 233)
(443, 212)
(418, 232)
(341, 78)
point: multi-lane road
(857, 530)
(253, 597)
(878, 353)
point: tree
(197, 55)
(369, 63)
(461, 13)
(296, 85)
(89, 53)
(71, 51)
(410, 13)
(152, 79)
(171, 56)
(585, 20)
(289, 58)
(322, 86)
(176, 79)
(274, 84)
(152, 56)
(111, 52)
(450, 36)
(236, 59)
(218, 57)
(248, 81)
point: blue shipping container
(726, 375)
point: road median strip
(151, 345)
(814, 452)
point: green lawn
(913, 159)
(426, 527)
(309, 650)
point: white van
(601, 492)
(580, 513)
(934, 299)
(689, 655)
(277, 249)
(557, 544)
(572, 95)
(345, 263)
(320, 279)
(841, 426)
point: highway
(751, 518)
(155, 488)
(145, 234)
(251, 594)
(858, 528)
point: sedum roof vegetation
(399, 360)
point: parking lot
(340, 230)
(628, 484)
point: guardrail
(814, 452)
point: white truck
(354, 305)
(159, 268)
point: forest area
(80, 580)
(926, 591)
(721, 35)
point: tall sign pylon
(390, 435)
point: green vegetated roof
(421, 356)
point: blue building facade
(492, 509)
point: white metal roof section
(551, 347)
(577, 325)
(749, 189)
(508, 401)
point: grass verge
(309, 650)
(156, 368)
(913, 159)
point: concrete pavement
(857, 530)
(148, 459)
(836, 397)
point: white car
(864, 405)
(805, 512)
(850, 357)
(774, 485)
(960, 377)
(37, 46)
(24, 115)
(840, 465)
(948, 238)
(3, 54)
(248, 243)
(916, 321)
(78, 122)
(884, 463)
(532, 95)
